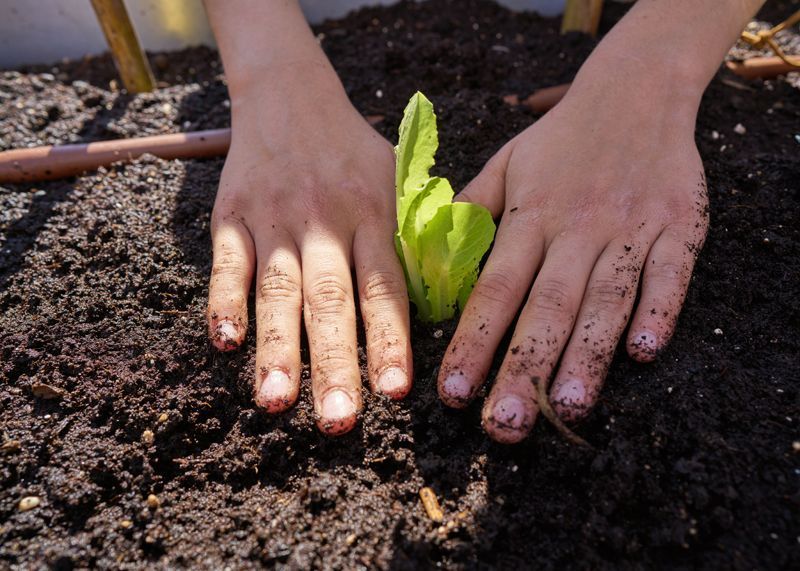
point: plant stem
(415, 281)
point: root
(550, 415)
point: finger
(667, 272)
(231, 275)
(279, 302)
(541, 333)
(330, 320)
(488, 188)
(604, 313)
(384, 308)
(498, 294)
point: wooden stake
(129, 58)
(582, 16)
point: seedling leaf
(440, 243)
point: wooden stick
(761, 67)
(51, 162)
(129, 58)
(582, 16)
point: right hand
(306, 193)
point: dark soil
(103, 291)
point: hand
(605, 188)
(306, 193)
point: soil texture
(143, 446)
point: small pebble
(45, 391)
(148, 437)
(438, 334)
(350, 539)
(379, 94)
(163, 417)
(153, 502)
(718, 331)
(739, 129)
(796, 445)
(28, 503)
(126, 523)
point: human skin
(306, 193)
(608, 187)
(605, 191)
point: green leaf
(436, 193)
(440, 244)
(451, 247)
(414, 151)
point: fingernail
(276, 386)
(646, 343)
(457, 386)
(227, 334)
(392, 381)
(509, 412)
(337, 405)
(570, 393)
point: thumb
(488, 188)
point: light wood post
(582, 16)
(129, 58)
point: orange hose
(51, 162)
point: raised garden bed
(111, 392)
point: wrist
(289, 84)
(650, 80)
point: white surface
(44, 31)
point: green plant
(440, 243)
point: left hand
(605, 188)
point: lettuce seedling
(440, 243)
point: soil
(111, 392)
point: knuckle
(327, 295)
(608, 294)
(497, 287)
(551, 297)
(669, 271)
(279, 285)
(315, 195)
(332, 359)
(382, 286)
(226, 262)
(383, 334)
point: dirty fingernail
(275, 390)
(646, 344)
(337, 405)
(509, 412)
(226, 335)
(392, 381)
(456, 386)
(570, 393)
